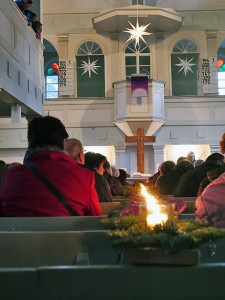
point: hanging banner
(66, 78)
(139, 86)
(209, 75)
(185, 74)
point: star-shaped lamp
(185, 65)
(136, 33)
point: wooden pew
(51, 224)
(34, 249)
(114, 282)
(132, 282)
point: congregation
(68, 181)
(31, 18)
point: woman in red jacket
(23, 194)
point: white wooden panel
(188, 114)
(89, 116)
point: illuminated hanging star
(89, 67)
(185, 65)
(136, 33)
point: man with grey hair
(75, 150)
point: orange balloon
(55, 67)
(219, 63)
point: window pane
(221, 75)
(130, 48)
(130, 71)
(130, 60)
(144, 60)
(144, 48)
(145, 70)
(185, 46)
(221, 91)
(52, 79)
(51, 87)
(50, 95)
(221, 83)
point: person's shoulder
(83, 170)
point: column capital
(63, 37)
(211, 34)
(159, 148)
(120, 149)
(214, 148)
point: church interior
(139, 81)
(184, 103)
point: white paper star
(136, 33)
(185, 65)
(89, 67)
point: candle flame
(154, 215)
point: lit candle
(154, 215)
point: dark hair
(166, 166)
(183, 167)
(106, 165)
(122, 175)
(46, 131)
(2, 163)
(94, 160)
(215, 157)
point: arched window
(90, 70)
(137, 59)
(51, 60)
(221, 68)
(185, 68)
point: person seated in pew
(190, 182)
(24, 194)
(172, 174)
(210, 205)
(95, 162)
(123, 177)
(115, 185)
(211, 175)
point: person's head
(46, 131)
(2, 163)
(115, 171)
(95, 161)
(107, 167)
(184, 166)
(166, 167)
(215, 173)
(191, 156)
(216, 158)
(123, 174)
(75, 150)
(198, 162)
(27, 4)
(181, 158)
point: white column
(158, 155)
(120, 156)
(16, 113)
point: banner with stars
(90, 76)
(185, 74)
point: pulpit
(139, 117)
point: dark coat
(190, 182)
